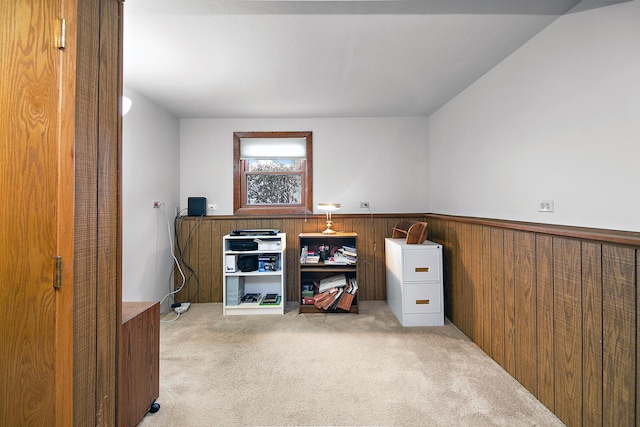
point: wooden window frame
(239, 187)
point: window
(272, 173)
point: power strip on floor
(182, 308)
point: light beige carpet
(331, 370)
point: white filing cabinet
(414, 282)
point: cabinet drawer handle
(422, 301)
(422, 269)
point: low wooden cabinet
(139, 385)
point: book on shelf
(324, 299)
(251, 298)
(349, 250)
(271, 299)
(347, 299)
(339, 259)
(313, 259)
(336, 299)
(334, 281)
(309, 257)
(340, 296)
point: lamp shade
(328, 206)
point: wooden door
(34, 224)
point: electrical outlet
(177, 210)
(156, 204)
(545, 205)
(364, 205)
(212, 207)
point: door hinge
(57, 279)
(62, 41)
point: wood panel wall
(556, 307)
(199, 247)
(97, 239)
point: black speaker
(196, 206)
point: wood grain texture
(625, 238)
(29, 120)
(509, 303)
(525, 311)
(592, 334)
(204, 261)
(186, 278)
(486, 290)
(567, 297)
(97, 220)
(457, 281)
(619, 310)
(476, 285)
(497, 296)
(544, 285)
(463, 272)
(86, 226)
(108, 321)
(445, 238)
(66, 224)
(139, 375)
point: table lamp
(329, 207)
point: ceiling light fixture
(126, 105)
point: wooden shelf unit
(318, 271)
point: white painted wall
(559, 119)
(150, 171)
(382, 161)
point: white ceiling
(268, 59)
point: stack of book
(309, 257)
(346, 255)
(270, 299)
(336, 292)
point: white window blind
(273, 148)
